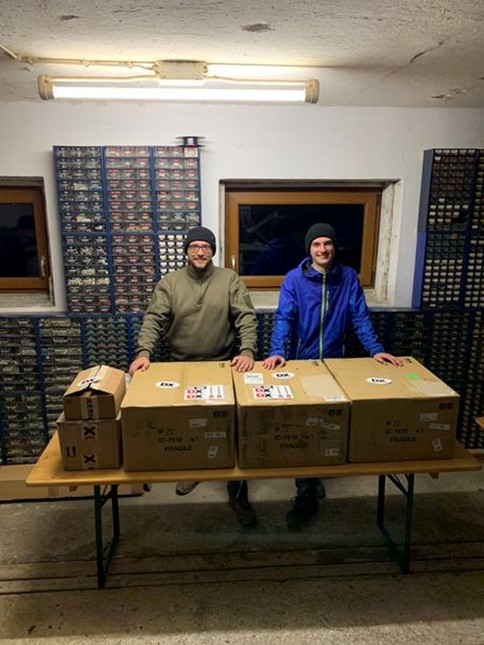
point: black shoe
(185, 488)
(302, 510)
(320, 490)
(245, 513)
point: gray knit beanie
(200, 234)
(319, 230)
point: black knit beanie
(319, 230)
(200, 234)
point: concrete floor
(185, 573)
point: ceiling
(419, 53)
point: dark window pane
(18, 244)
(271, 236)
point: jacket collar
(306, 267)
(200, 275)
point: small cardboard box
(179, 416)
(295, 416)
(397, 413)
(95, 393)
(90, 445)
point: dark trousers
(307, 487)
(238, 490)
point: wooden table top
(48, 471)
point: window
(23, 239)
(265, 229)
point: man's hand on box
(274, 361)
(141, 363)
(242, 363)
(383, 358)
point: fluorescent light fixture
(178, 81)
(203, 93)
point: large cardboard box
(397, 413)
(179, 416)
(95, 393)
(90, 445)
(295, 416)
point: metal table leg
(402, 557)
(100, 498)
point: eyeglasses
(205, 248)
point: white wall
(256, 142)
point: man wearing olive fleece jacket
(201, 311)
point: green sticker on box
(412, 376)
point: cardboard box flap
(100, 379)
(300, 382)
(431, 388)
(181, 384)
(323, 386)
(95, 393)
(365, 378)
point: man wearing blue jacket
(318, 303)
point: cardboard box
(95, 393)
(90, 445)
(397, 413)
(296, 416)
(179, 416)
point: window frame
(29, 195)
(370, 198)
